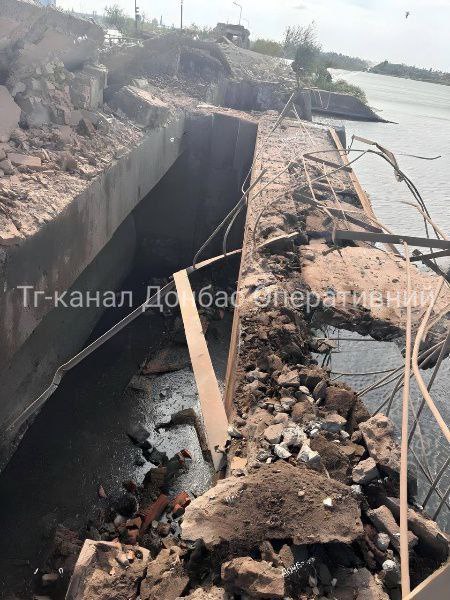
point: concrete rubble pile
(56, 132)
(308, 507)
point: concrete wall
(342, 105)
(41, 33)
(153, 206)
(199, 191)
(267, 95)
(36, 339)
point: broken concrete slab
(258, 579)
(357, 584)
(277, 514)
(24, 160)
(40, 33)
(378, 436)
(428, 532)
(141, 106)
(365, 471)
(165, 577)
(214, 593)
(103, 571)
(384, 522)
(10, 114)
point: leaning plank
(213, 410)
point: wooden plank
(435, 587)
(213, 410)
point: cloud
(300, 7)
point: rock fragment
(433, 539)
(273, 433)
(10, 114)
(365, 471)
(309, 456)
(384, 522)
(333, 423)
(357, 584)
(278, 514)
(258, 579)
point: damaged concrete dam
(183, 254)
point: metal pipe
(404, 550)
(435, 482)
(423, 388)
(442, 353)
(443, 501)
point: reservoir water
(422, 113)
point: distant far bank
(407, 72)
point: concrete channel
(207, 449)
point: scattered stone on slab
(103, 571)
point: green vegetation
(336, 60)
(343, 87)
(397, 70)
(269, 47)
(311, 64)
(200, 33)
(116, 18)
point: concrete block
(428, 532)
(24, 160)
(35, 112)
(365, 471)
(10, 114)
(384, 522)
(141, 106)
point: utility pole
(181, 15)
(240, 13)
(136, 15)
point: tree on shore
(115, 17)
(269, 47)
(302, 38)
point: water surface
(422, 111)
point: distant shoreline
(435, 82)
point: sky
(372, 29)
